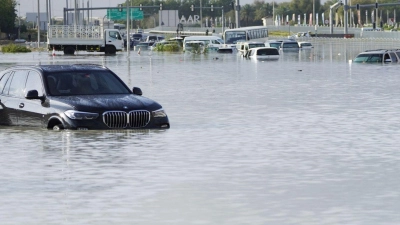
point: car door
(4, 114)
(32, 110)
(13, 93)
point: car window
(3, 81)
(115, 34)
(34, 82)
(268, 52)
(290, 45)
(256, 45)
(275, 45)
(393, 56)
(83, 83)
(18, 83)
(375, 58)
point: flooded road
(308, 139)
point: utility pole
(201, 14)
(313, 15)
(50, 12)
(273, 13)
(88, 15)
(128, 46)
(19, 20)
(237, 14)
(38, 23)
(346, 17)
(75, 14)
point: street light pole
(38, 24)
(313, 9)
(19, 20)
(128, 46)
(201, 15)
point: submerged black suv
(74, 97)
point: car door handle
(21, 105)
(109, 41)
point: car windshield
(369, 58)
(84, 83)
(275, 45)
(256, 45)
(290, 45)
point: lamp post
(128, 45)
(201, 14)
(38, 24)
(313, 9)
(19, 20)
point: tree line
(250, 14)
(8, 15)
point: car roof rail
(373, 50)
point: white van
(212, 42)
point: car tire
(58, 127)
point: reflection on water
(307, 139)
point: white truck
(84, 38)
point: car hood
(99, 103)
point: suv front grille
(120, 119)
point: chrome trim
(121, 119)
(138, 118)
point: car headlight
(77, 115)
(159, 113)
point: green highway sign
(136, 14)
(115, 14)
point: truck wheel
(110, 50)
(69, 50)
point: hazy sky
(58, 5)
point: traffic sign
(136, 14)
(116, 14)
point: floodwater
(306, 140)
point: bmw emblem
(125, 107)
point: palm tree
(247, 12)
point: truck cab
(114, 41)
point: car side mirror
(137, 91)
(33, 94)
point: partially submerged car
(264, 53)
(273, 43)
(78, 97)
(377, 56)
(243, 47)
(289, 45)
(305, 45)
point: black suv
(74, 97)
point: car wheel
(58, 127)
